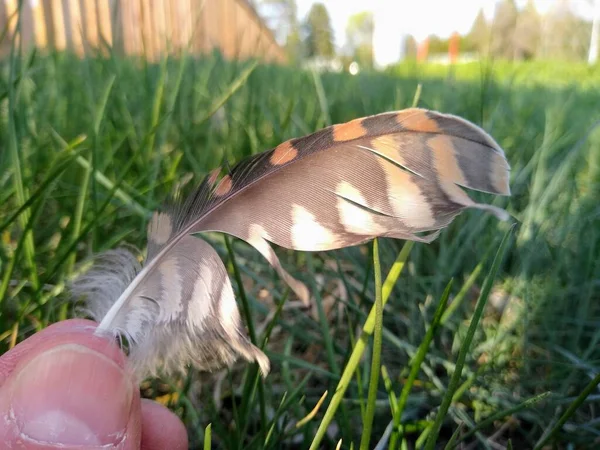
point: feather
(396, 174)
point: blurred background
(332, 34)
(108, 107)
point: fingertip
(67, 386)
(78, 331)
(161, 428)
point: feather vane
(398, 174)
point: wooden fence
(149, 28)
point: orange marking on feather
(349, 131)
(445, 161)
(224, 186)
(212, 177)
(416, 119)
(283, 153)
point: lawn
(501, 337)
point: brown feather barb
(396, 174)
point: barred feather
(396, 174)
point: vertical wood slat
(40, 33)
(158, 26)
(135, 27)
(27, 25)
(168, 21)
(11, 19)
(228, 30)
(147, 35)
(59, 32)
(105, 32)
(199, 6)
(89, 20)
(74, 26)
(211, 23)
(5, 44)
(188, 24)
(3, 25)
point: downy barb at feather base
(397, 174)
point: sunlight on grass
(468, 346)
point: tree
(410, 47)
(281, 16)
(478, 38)
(526, 38)
(503, 29)
(319, 35)
(565, 35)
(437, 45)
(359, 38)
(595, 34)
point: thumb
(72, 391)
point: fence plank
(211, 36)
(104, 21)
(168, 23)
(11, 16)
(40, 33)
(89, 22)
(74, 26)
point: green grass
(529, 73)
(478, 341)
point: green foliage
(359, 38)
(541, 74)
(91, 146)
(319, 34)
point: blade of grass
(310, 416)
(325, 331)
(417, 96)
(208, 437)
(376, 358)
(56, 169)
(21, 245)
(322, 98)
(252, 333)
(114, 188)
(388, 387)
(323, 320)
(569, 412)
(454, 438)
(501, 414)
(119, 193)
(151, 150)
(462, 294)
(418, 359)
(360, 346)
(77, 222)
(462, 355)
(275, 421)
(233, 87)
(21, 191)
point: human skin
(66, 388)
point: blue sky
(395, 18)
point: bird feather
(397, 174)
